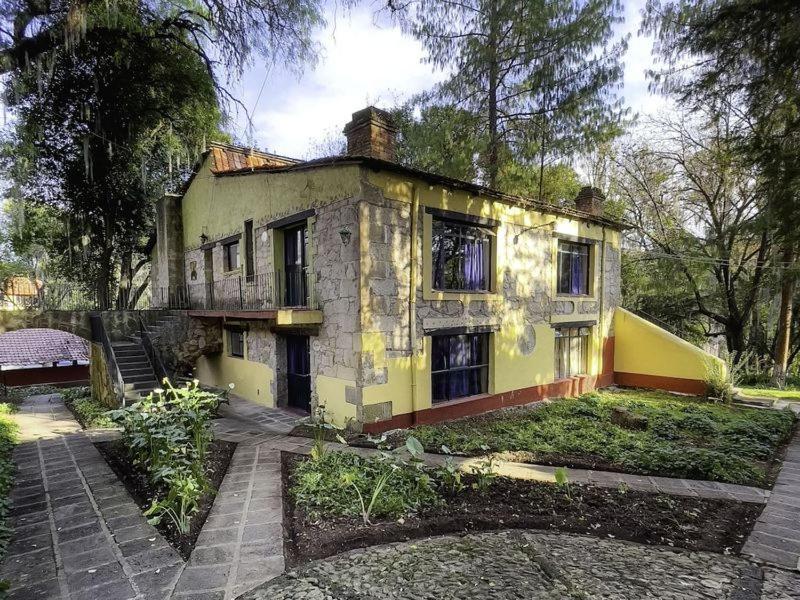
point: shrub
(90, 413)
(325, 487)
(8, 437)
(683, 437)
(168, 434)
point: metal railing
(265, 291)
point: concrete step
(145, 377)
(136, 370)
(124, 345)
(130, 360)
(129, 353)
(141, 386)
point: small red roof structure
(41, 346)
(21, 286)
(229, 158)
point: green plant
(484, 474)
(562, 480)
(320, 431)
(449, 474)
(168, 434)
(380, 484)
(325, 487)
(684, 436)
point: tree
(448, 140)
(112, 105)
(539, 75)
(697, 204)
(744, 55)
(94, 141)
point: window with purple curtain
(573, 268)
(459, 366)
(461, 256)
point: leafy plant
(168, 434)
(380, 484)
(326, 487)
(684, 437)
(484, 474)
(562, 480)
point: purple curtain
(438, 261)
(450, 353)
(579, 264)
(474, 265)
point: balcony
(267, 295)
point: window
(249, 259)
(573, 268)
(236, 343)
(461, 256)
(230, 256)
(459, 366)
(572, 349)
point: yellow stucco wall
(252, 380)
(643, 348)
(332, 394)
(219, 206)
(510, 368)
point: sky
(365, 59)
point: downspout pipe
(601, 316)
(412, 302)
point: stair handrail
(100, 336)
(152, 354)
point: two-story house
(394, 296)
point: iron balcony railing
(265, 291)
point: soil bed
(657, 519)
(137, 484)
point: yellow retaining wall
(252, 380)
(642, 348)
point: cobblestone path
(530, 565)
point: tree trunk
(783, 334)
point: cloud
(363, 62)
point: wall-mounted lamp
(345, 235)
(527, 229)
(203, 238)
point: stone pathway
(77, 533)
(776, 536)
(532, 565)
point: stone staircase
(138, 375)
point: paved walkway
(776, 536)
(77, 533)
(532, 565)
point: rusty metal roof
(226, 158)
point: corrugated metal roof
(41, 346)
(227, 158)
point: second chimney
(590, 200)
(371, 133)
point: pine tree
(540, 74)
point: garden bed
(639, 432)
(692, 523)
(136, 482)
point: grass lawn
(785, 394)
(645, 432)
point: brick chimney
(371, 133)
(590, 200)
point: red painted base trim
(658, 382)
(72, 375)
(481, 404)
